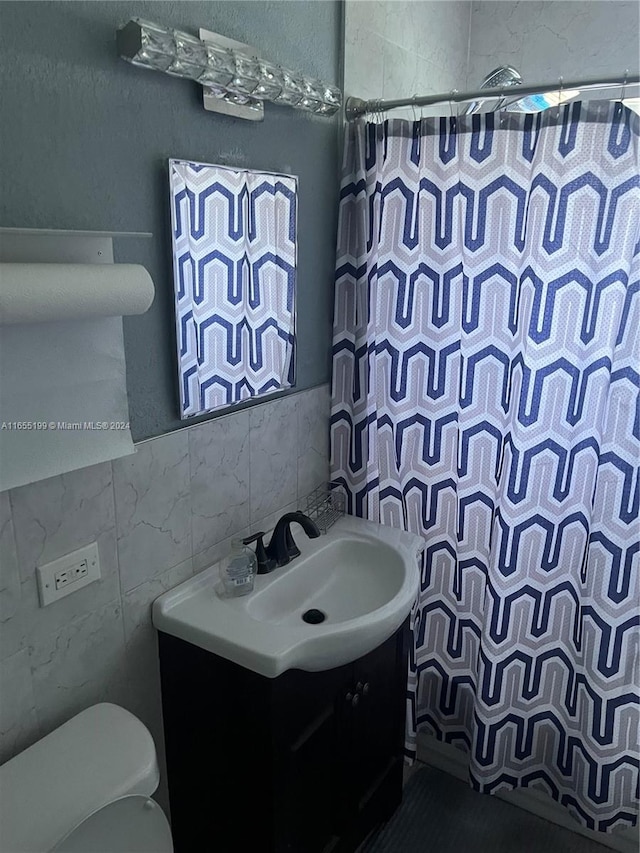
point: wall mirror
(234, 236)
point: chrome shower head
(502, 77)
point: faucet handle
(265, 564)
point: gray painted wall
(85, 138)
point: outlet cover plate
(67, 574)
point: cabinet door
(218, 730)
(378, 720)
(309, 758)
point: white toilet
(85, 788)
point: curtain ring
(624, 85)
(560, 83)
(451, 115)
(413, 107)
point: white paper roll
(43, 293)
(63, 398)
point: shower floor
(441, 814)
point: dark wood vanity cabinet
(304, 763)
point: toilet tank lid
(99, 755)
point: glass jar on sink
(238, 570)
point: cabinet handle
(355, 701)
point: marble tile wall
(543, 40)
(397, 48)
(158, 516)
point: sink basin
(344, 578)
(360, 581)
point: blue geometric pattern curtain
(486, 396)
(234, 262)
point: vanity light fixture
(235, 80)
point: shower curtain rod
(356, 107)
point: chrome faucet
(282, 548)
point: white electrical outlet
(67, 574)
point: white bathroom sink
(363, 577)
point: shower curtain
(485, 395)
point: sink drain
(314, 617)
